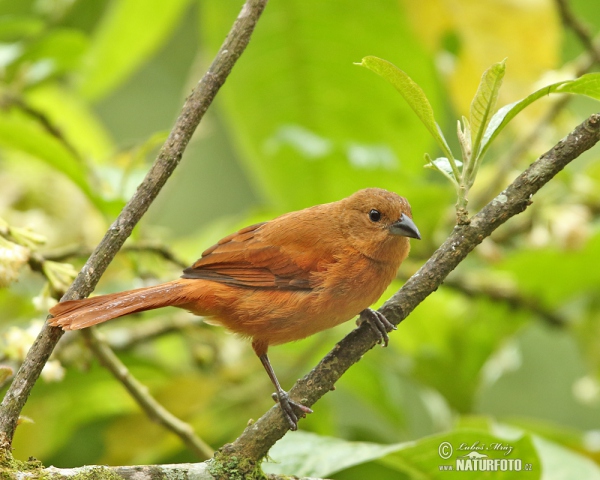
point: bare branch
(189, 471)
(168, 158)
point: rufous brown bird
(282, 280)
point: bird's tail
(76, 314)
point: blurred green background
(88, 92)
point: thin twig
(168, 158)
(140, 393)
(160, 250)
(120, 338)
(63, 254)
(581, 30)
(511, 298)
(46, 123)
(256, 440)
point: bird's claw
(288, 406)
(378, 323)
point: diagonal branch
(140, 393)
(168, 158)
(256, 440)
(580, 29)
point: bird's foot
(292, 411)
(378, 323)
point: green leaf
(443, 165)
(24, 135)
(560, 462)
(311, 455)
(15, 28)
(74, 118)
(308, 454)
(61, 49)
(588, 85)
(441, 457)
(412, 93)
(129, 33)
(555, 286)
(302, 142)
(484, 102)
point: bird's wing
(247, 259)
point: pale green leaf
(411, 92)
(484, 103)
(309, 454)
(588, 85)
(24, 135)
(443, 164)
(560, 462)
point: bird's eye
(374, 215)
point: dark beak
(405, 227)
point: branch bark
(168, 158)
(188, 471)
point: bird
(282, 280)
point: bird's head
(378, 224)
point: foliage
(476, 136)
(87, 91)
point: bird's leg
(282, 397)
(378, 323)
